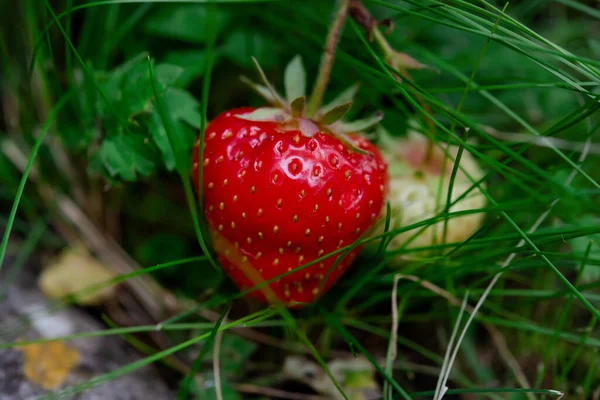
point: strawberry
(419, 187)
(282, 190)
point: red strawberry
(284, 191)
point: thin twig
(328, 56)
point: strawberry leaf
(295, 79)
(192, 62)
(183, 106)
(128, 155)
(361, 124)
(177, 140)
(268, 84)
(136, 91)
(161, 138)
(335, 114)
(347, 96)
(264, 114)
(261, 90)
(298, 106)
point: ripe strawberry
(281, 190)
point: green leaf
(161, 138)
(295, 79)
(298, 106)
(184, 22)
(111, 82)
(137, 92)
(362, 124)
(264, 114)
(183, 106)
(192, 62)
(177, 139)
(184, 109)
(127, 156)
(261, 90)
(335, 114)
(243, 44)
(345, 97)
(268, 84)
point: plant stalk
(328, 56)
(362, 16)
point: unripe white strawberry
(419, 190)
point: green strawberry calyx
(291, 114)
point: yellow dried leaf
(48, 364)
(76, 272)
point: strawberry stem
(328, 56)
(362, 16)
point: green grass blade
(34, 151)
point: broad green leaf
(295, 79)
(184, 22)
(243, 44)
(177, 140)
(161, 139)
(127, 156)
(136, 93)
(183, 106)
(184, 109)
(111, 82)
(335, 114)
(192, 63)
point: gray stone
(26, 314)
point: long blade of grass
(34, 151)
